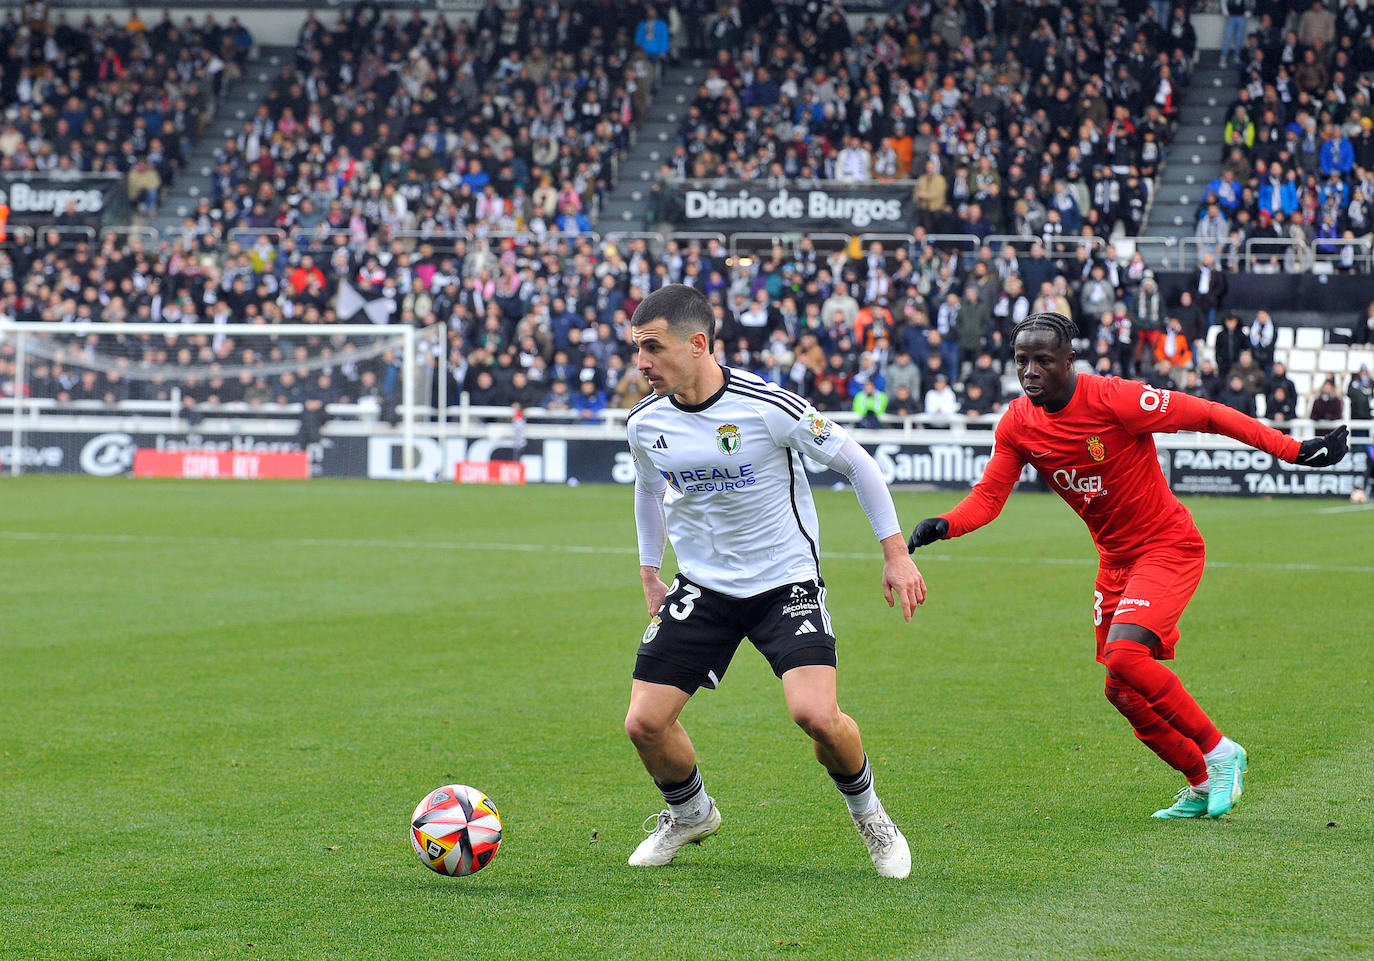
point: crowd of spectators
(106, 97)
(121, 282)
(381, 123)
(1040, 119)
(546, 325)
(1298, 142)
(1240, 369)
(386, 123)
(512, 120)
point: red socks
(1172, 747)
(1163, 713)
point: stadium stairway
(629, 204)
(1194, 156)
(236, 106)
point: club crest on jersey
(728, 439)
(1096, 449)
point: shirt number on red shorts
(1097, 608)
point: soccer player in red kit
(1091, 439)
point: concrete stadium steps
(1179, 193)
(626, 207)
(644, 168)
(1199, 137)
(1193, 158)
(237, 105)
(1172, 220)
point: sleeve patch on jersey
(819, 427)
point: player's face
(667, 362)
(1044, 368)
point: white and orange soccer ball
(455, 830)
(1357, 496)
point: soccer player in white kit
(718, 471)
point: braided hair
(1064, 329)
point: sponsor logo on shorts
(800, 604)
(806, 628)
(1132, 602)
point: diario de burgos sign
(869, 207)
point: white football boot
(668, 836)
(886, 845)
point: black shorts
(690, 641)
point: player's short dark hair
(685, 308)
(1063, 328)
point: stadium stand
(448, 174)
(112, 97)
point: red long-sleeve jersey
(1098, 454)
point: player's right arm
(651, 527)
(985, 501)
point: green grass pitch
(219, 703)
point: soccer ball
(455, 830)
(1357, 496)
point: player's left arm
(825, 441)
(901, 578)
(1144, 409)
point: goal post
(163, 370)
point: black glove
(1325, 451)
(929, 531)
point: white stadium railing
(1261, 255)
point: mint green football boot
(1227, 784)
(1187, 804)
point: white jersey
(738, 505)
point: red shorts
(1152, 593)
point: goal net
(196, 390)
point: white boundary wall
(278, 27)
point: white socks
(687, 801)
(861, 804)
(858, 790)
(1224, 749)
(692, 810)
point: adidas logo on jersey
(806, 628)
(661, 443)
